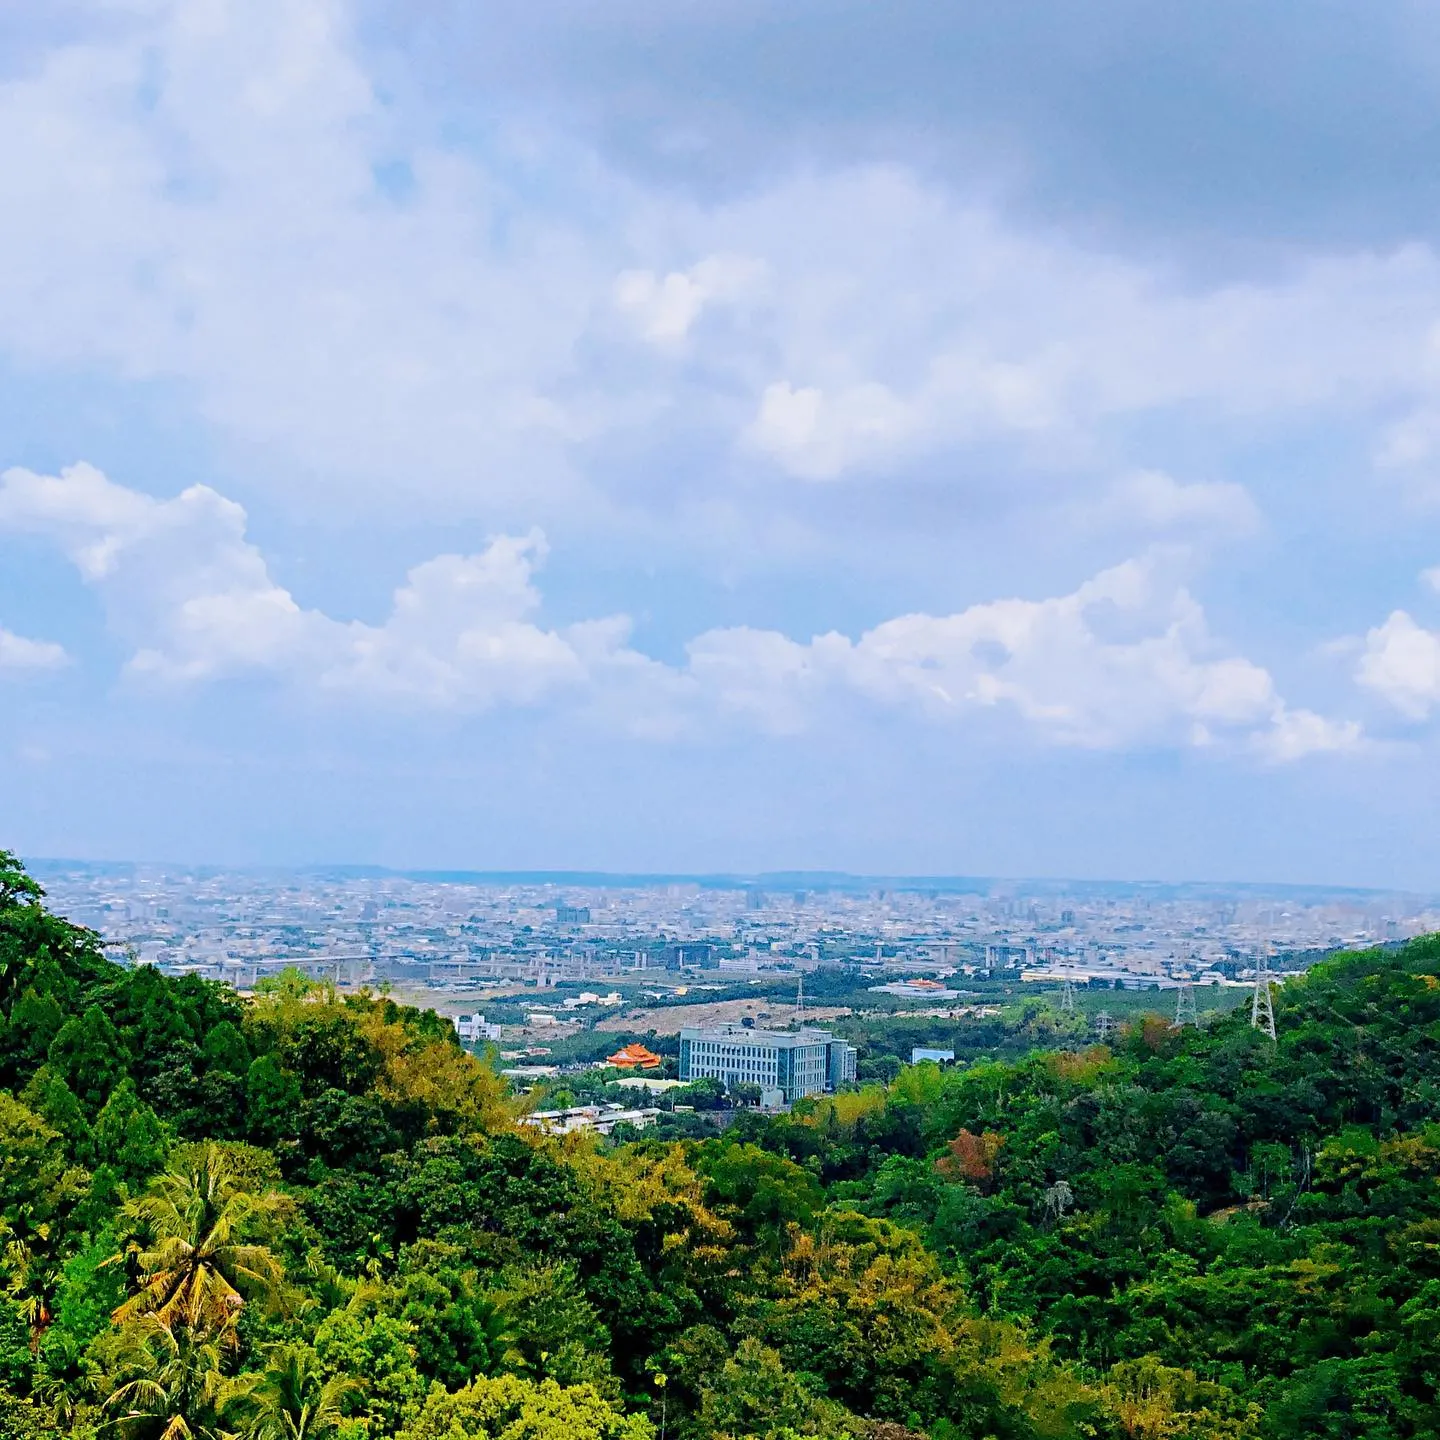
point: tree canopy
(304, 1215)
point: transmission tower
(1104, 1026)
(1067, 998)
(1185, 1012)
(1262, 1008)
(800, 1000)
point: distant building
(784, 1064)
(925, 1052)
(471, 1028)
(600, 1118)
(572, 914)
(530, 1072)
(589, 997)
(917, 990)
(634, 1057)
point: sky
(902, 439)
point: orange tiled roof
(635, 1057)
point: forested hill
(311, 1216)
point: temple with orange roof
(635, 1057)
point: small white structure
(470, 1028)
(600, 1118)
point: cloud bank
(1126, 659)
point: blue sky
(942, 439)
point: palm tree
(198, 1261)
(292, 1398)
(327, 1288)
(169, 1383)
(30, 1278)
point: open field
(668, 1019)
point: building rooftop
(806, 1035)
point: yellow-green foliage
(509, 1408)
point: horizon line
(784, 879)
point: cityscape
(442, 934)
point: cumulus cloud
(195, 598)
(1125, 660)
(180, 581)
(19, 655)
(1297, 733)
(205, 201)
(1401, 663)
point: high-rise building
(785, 1064)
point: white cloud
(19, 655)
(1402, 663)
(912, 322)
(196, 600)
(1154, 502)
(1431, 578)
(1124, 660)
(200, 203)
(1297, 733)
(664, 307)
(819, 434)
(180, 581)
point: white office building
(785, 1064)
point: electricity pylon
(1104, 1025)
(1185, 1012)
(800, 1001)
(1262, 1007)
(1067, 998)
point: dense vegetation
(304, 1215)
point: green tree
(129, 1136)
(89, 1056)
(88, 1290)
(201, 1251)
(225, 1049)
(272, 1101)
(555, 1330)
(510, 1408)
(34, 1022)
(755, 1397)
(291, 1399)
(163, 1382)
(16, 886)
(48, 1095)
(378, 1350)
(37, 1186)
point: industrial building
(785, 1064)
